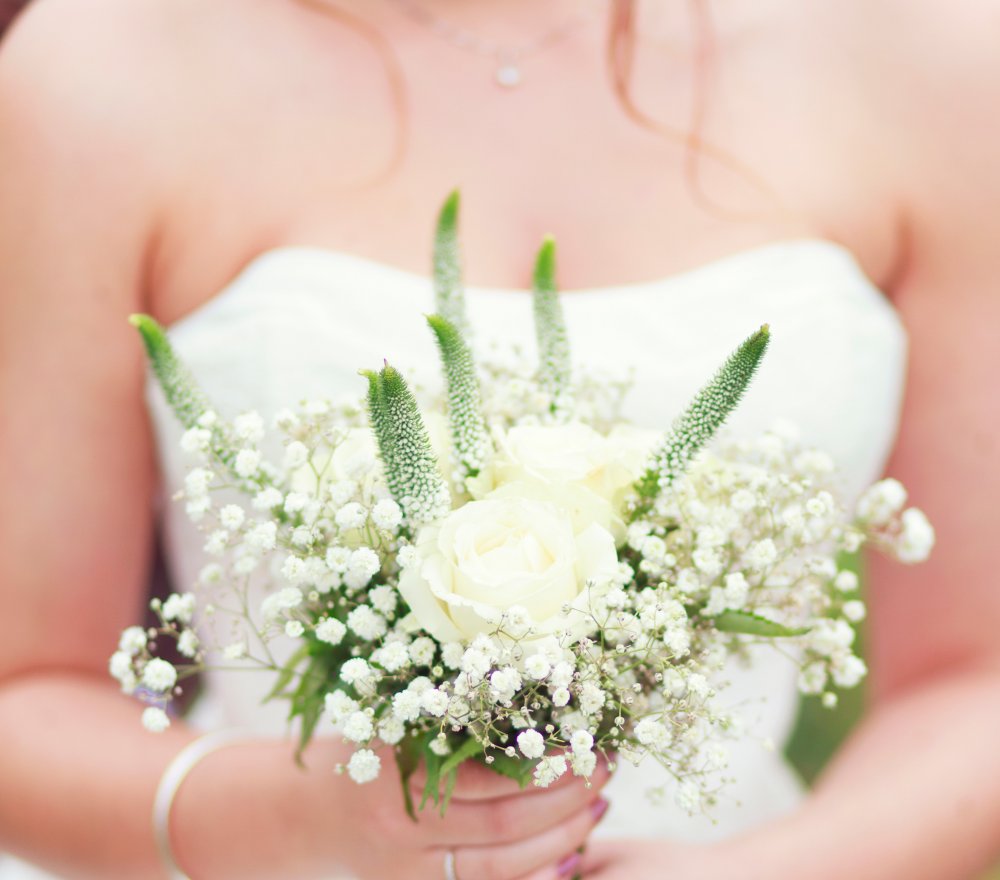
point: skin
(165, 144)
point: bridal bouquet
(509, 573)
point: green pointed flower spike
(379, 418)
(550, 327)
(449, 296)
(704, 416)
(410, 466)
(469, 435)
(179, 388)
(190, 404)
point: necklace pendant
(508, 75)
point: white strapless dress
(300, 322)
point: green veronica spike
(449, 296)
(379, 418)
(410, 466)
(468, 427)
(550, 327)
(704, 416)
(179, 388)
(191, 406)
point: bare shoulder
(87, 60)
(100, 123)
(934, 75)
(85, 101)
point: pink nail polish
(569, 865)
(598, 808)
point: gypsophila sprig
(556, 609)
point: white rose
(507, 550)
(572, 454)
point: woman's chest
(352, 144)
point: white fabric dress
(300, 322)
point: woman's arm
(80, 154)
(915, 792)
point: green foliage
(308, 700)
(448, 771)
(179, 387)
(745, 623)
(287, 673)
(468, 427)
(305, 679)
(704, 416)
(432, 785)
(518, 768)
(550, 327)
(819, 731)
(442, 771)
(405, 447)
(448, 293)
(409, 753)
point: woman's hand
(641, 859)
(495, 830)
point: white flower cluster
(136, 668)
(904, 531)
(553, 616)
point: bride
(262, 176)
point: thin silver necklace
(507, 58)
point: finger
(567, 867)
(553, 851)
(478, 782)
(474, 781)
(506, 820)
(598, 857)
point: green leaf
(550, 327)
(432, 787)
(179, 387)
(309, 698)
(518, 769)
(469, 435)
(704, 416)
(469, 748)
(450, 778)
(745, 623)
(449, 297)
(287, 673)
(409, 754)
(442, 772)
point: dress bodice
(300, 322)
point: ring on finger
(449, 866)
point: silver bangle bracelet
(175, 774)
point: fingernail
(598, 808)
(569, 865)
